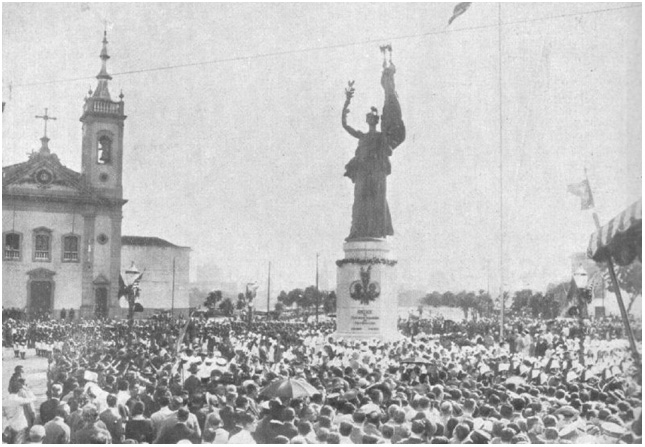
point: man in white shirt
(123, 395)
(15, 421)
(160, 416)
(191, 422)
(245, 436)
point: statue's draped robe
(371, 165)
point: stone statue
(370, 166)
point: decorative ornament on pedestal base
(367, 305)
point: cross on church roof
(46, 118)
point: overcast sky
(243, 159)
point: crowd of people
(206, 381)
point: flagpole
(501, 176)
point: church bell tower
(102, 171)
(102, 162)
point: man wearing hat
(193, 382)
(48, 408)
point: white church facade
(61, 229)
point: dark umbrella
(384, 388)
(417, 360)
(289, 388)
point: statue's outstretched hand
(349, 91)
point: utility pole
(501, 176)
(172, 305)
(317, 291)
(268, 290)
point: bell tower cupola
(103, 118)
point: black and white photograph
(322, 223)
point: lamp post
(131, 275)
(581, 279)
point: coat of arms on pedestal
(364, 290)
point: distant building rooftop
(144, 241)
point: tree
(434, 299)
(283, 298)
(227, 307)
(630, 280)
(481, 303)
(484, 304)
(551, 304)
(329, 302)
(294, 296)
(279, 307)
(466, 301)
(213, 298)
(449, 299)
(310, 297)
(521, 302)
(241, 301)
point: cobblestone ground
(35, 371)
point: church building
(62, 229)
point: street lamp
(131, 274)
(581, 279)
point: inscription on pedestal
(364, 320)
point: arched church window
(70, 248)
(12, 245)
(104, 152)
(42, 245)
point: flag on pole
(459, 10)
(137, 281)
(182, 334)
(582, 190)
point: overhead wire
(334, 46)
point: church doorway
(101, 304)
(41, 298)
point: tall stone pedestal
(366, 291)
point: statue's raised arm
(392, 125)
(349, 93)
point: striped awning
(621, 238)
